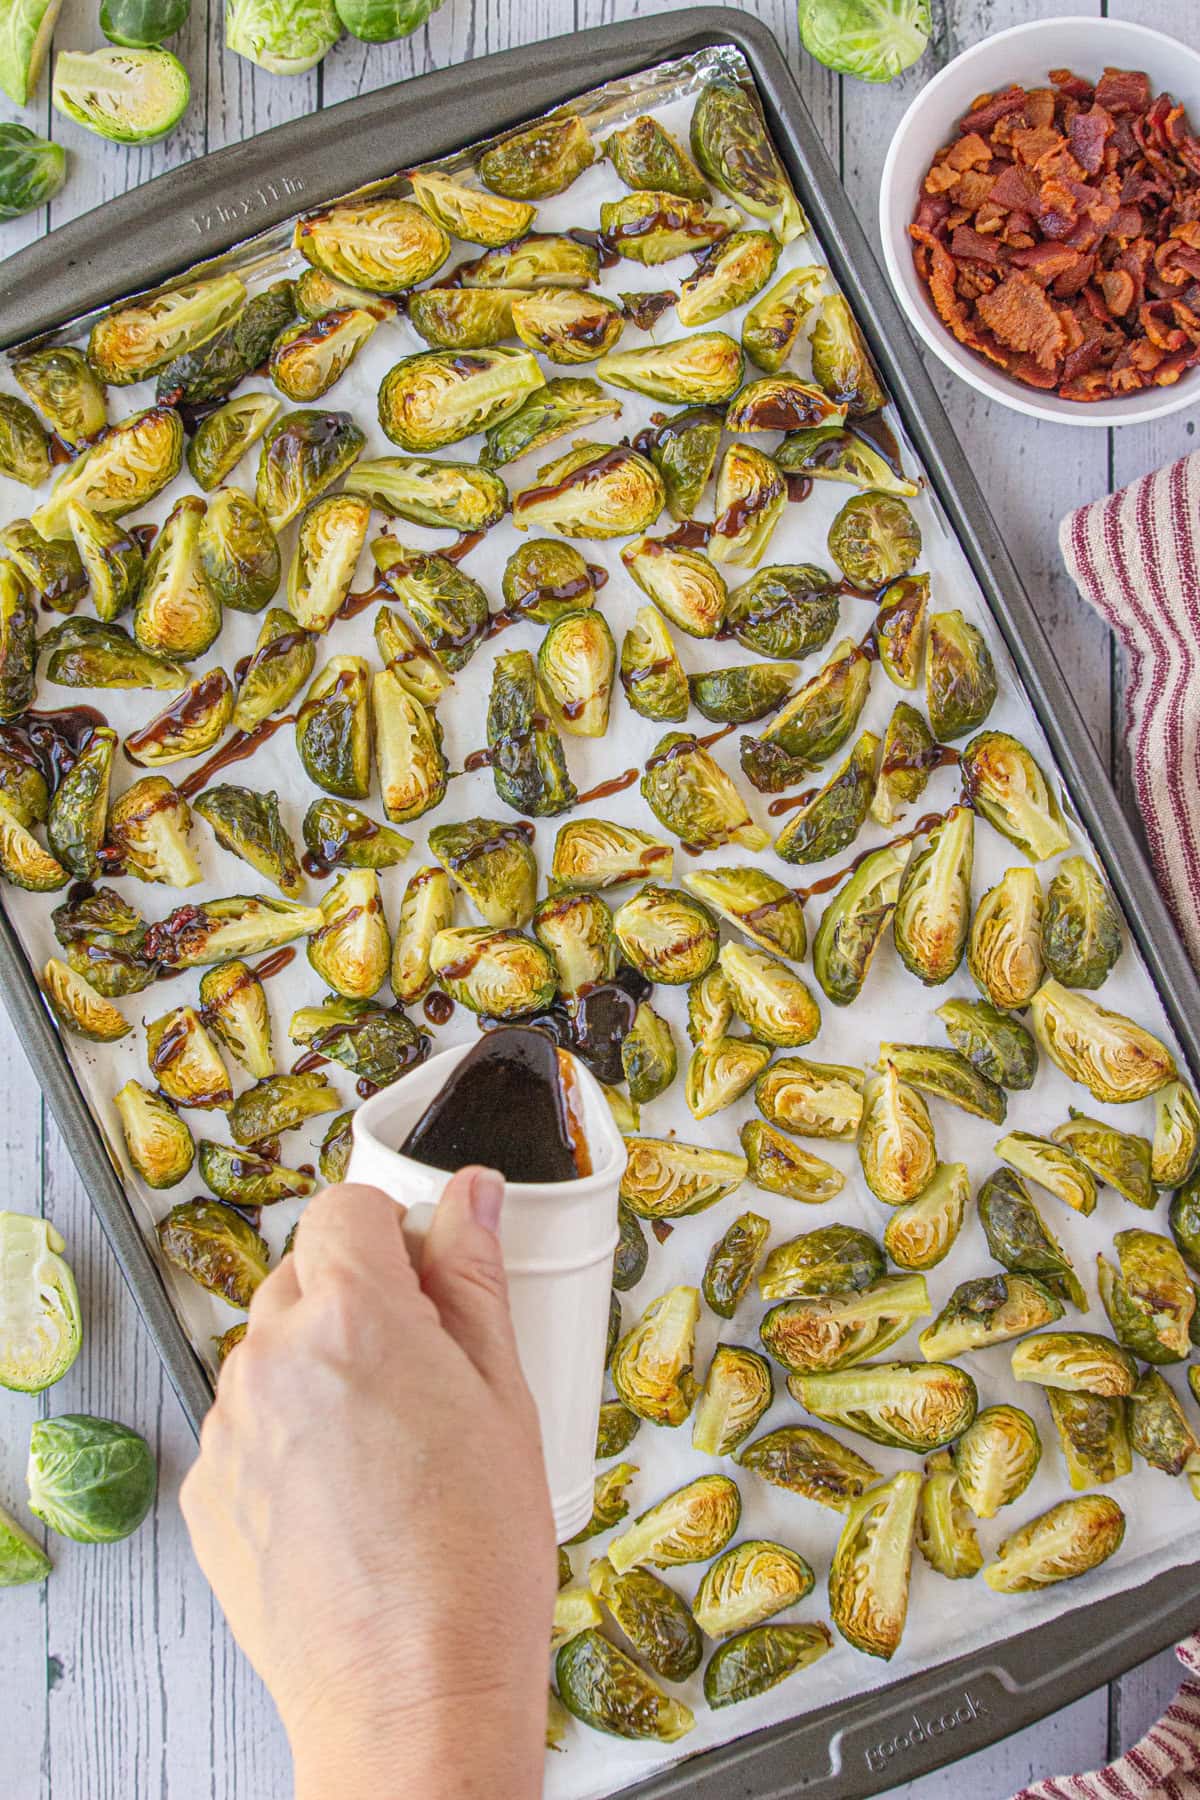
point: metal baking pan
(853, 1748)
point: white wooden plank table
(118, 1678)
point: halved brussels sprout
(494, 865)
(238, 553)
(762, 908)
(650, 227)
(757, 1660)
(1054, 1166)
(1175, 1153)
(332, 533)
(539, 259)
(652, 1616)
(222, 438)
(732, 272)
(1119, 1158)
(1105, 1052)
(782, 1167)
(609, 1505)
(333, 729)
(426, 491)
(63, 387)
(178, 614)
(468, 214)
(1158, 1427)
(24, 861)
(933, 906)
(157, 1142)
(732, 1261)
(51, 567)
(112, 559)
(743, 693)
(997, 1045)
(1004, 783)
(617, 1427)
(651, 673)
(771, 329)
(280, 1103)
(336, 833)
(563, 405)
(1150, 1299)
(769, 998)
(439, 397)
(243, 1179)
(448, 606)
(217, 1247)
(302, 454)
(185, 1062)
(811, 1099)
(280, 664)
(577, 662)
(190, 724)
(945, 1535)
(989, 1310)
(408, 750)
(79, 1008)
(920, 1234)
(240, 925)
(315, 293)
(310, 356)
(567, 326)
(666, 934)
(426, 909)
(1081, 933)
(780, 403)
(996, 1458)
(336, 1145)
(103, 935)
(691, 1525)
(79, 808)
(377, 1044)
(1091, 1430)
(577, 930)
(896, 1144)
(607, 1690)
(911, 1406)
(869, 1575)
(499, 973)
(1072, 1538)
(124, 469)
(233, 1003)
(689, 793)
(646, 155)
(544, 579)
(747, 1584)
(815, 722)
(527, 760)
(854, 922)
(731, 145)
(594, 491)
(351, 949)
(835, 1259)
(383, 245)
(406, 654)
(459, 318)
(899, 634)
(874, 539)
(136, 341)
(682, 583)
(42, 1329)
(737, 1392)
(248, 824)
(720, 1073)
(652, 1365)
(24, 445)
(647, 1051)
(751, 495)
(948, 1075)
(208, 373)
(1004, 949)
(841, 361)
(683, 448)
(832, 815)
(960, 677)
(539, 160)
(838, 1331)
(1078, 1362)
(804, 1460)
(596, 853)
(665, 1179)
(701, 370)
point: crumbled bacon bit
(1123, 90)
(1019, 314)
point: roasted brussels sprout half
(869, 1575)
(1004, 948)
(720, 1073)
(1081, 932)
(334, 1157)
(609, 1505)
(762, 908)
(577, 930)
(333, 729)
(682, 583)
(576, 664)
(310, 356)
(769, 998)
(653, 1618)
(51, 567)
(493, 864)
(737, 1392)
(747, 1584)
(997, 1045)
(986, 1311)
(1007, 787)
(499, 973)
(811, 1099)
(242, 1179)
(104, 938)
(648, 1049)
(835, 1259)
(780, 403)
(874, 539)
(351, 949)
(383, 245)
(1119, 1158)
(539, 160)
(562, 406)
(280, 664)
(335, 833)
(731, 273)
(665, 1179)
(757, 1660)
(24, 445)
(743, 693)
(805, 1460)
(1078, 1362)
(125, 469)
(539, 259)
(62, 385)
(1092, 1432)
(1072, 1538)
(79, 1008)
(185, 1062)
(683, 448)
(23, 861)
(709, 1007)
(996, 1458)
(18, 644)
(1019, 1238)
(896, 1144)
(1053, 1166)
(771, 329)
(576, 1609)
(911, 1406)
(544, 580)
(595, 853)
(248, 824)
(701, 370)
(815, 722)
(193, 722)
(1158, 1427)
(79, 808)
(646, 155)
(280, 1103)
(691, 1525)
(854, 922)
(332, 533)
(732, 1262)
(616, 1429)
(222, 438)
(238, 553)
(731, 145)
(137, 341)
(594, 491)
(1149, 1299)
(632, 1252)
(960, 677)
(178, 613)
(408, 750)
(302, 454)
(945, 1535)
(651, 227)
(217, 1247)
(157, 1142)
(239, 925)
(933, 907)
(426, 909)
(377, 1044)
(439, 397)
(841, 361)
(652, 1366)
(466, 213)
(208, 373)
(527, 759)
(23, 785)
(838, 1331)
(667, 935)
(832, 816)
(749, 501)
(689, 793)
(1175, 1152)
(920, 1234)
(425, 491)
(565, 325)
(448, 607)
(948, 1075)
(908, 758)
(459, 318)
(1105, 1052)
(235, 1007)
(111, 560)
(782, 1167)
(651, 673)
(408, 658)
(900, 636)
(607, 1690)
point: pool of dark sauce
(512, 1105)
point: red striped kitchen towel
(1164, 1765)
(1136, 557)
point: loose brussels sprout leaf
(945, 1535)
(32, 169)
(691, 1525)
(209, 372)
(23, 861)
(700, 370)
(1150, 1300)
(743, 693)
(835, 1259)
(52, 568)
(426, 491)
(302, 454)
(447, 606)
(630, 1256)
(731, 145)
(854, 922)
(720, 1073)
(178, 612)
(1072, 1538)
(110, 558)
(577, 930)
(996, 1458)
(782, 1167)
(750, 498)
(648, 1055)
(747, 1584)
(494, 865)
(283, 42)
(1118, 1157)
(607, 1690)
(24, 446)
(310, 356)
(563, 405)
(351, 949)
(1081, 932)
(577, 662)
(838, 1331)
(874, 539)
(466, 213)
(89, 1479)
(124, 470)
(1105, 1052)
(652, 1616)
(986, 1311)
(426, 909)
(1158, 1427)
(1175, 1152)
(841, 361)
(499, 973)
(997, 1045)
(239, 925)
(920, 1234)
(1008, 788)
(780, 403)
(242, 1179)
(104, 938)
(1004, 949)
(948, 1075)
(762, 908)
(651, 227)
(192, 723)
(22, 1558)
(235, 1007)
(336, 1145)
(667, 935)
(737, 1392)
(79, 809)
(41, 1329)
(900, 636)
(689, 793)
(456, 318)
(248, 824)
(1054, 1166)
(527, 758)
(185, 1062)
(683, 448)
(280, 1103)
(665, 1179)
(439, 397)
(539, 160)
(222, 438)
(732, 1261)
(408, 750)
(652, 1365)
(651, 673)
(833, 815)
(137, 341)
(771, 329)
(333, 729)
(869, 1575)
(594, 491)
(1091, 1430)
(815, 722)
(646, 155)
(539, 259)
(769, 998)
(567, 326)
(805, 1460)
(1076, 1361)
(79, 1008)
(960, 677)
(595, 853)
(732, 272)
(758, 1660)
(217, 1247)
(281, 663)
(933, 907)
(383, 245)
(682, 583)
(911, 1406)
(811, 1099)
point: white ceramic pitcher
(558, 1240)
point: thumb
(462, 1271)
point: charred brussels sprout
(157, 1142)
(691, 1525)
(732, 1262)
(785, 610)
(24, 445)
(539, 259)
(222, 438)
(185, 1062)
(439, 397)
(104, 938)
(493, 864)
(280, 1103)
(1091, 1430)
(651, 227)
(567, 326)
(334, 1158)
(302, 454)
(235, 1006)
(1105, 1052)
(208, 373)
(933, 907)
(539, 160)
(743, 693)
(137, 341)
(874, 539)
(646, 155)
(920, 1234)
(948, 1075)
(900, 633)
(769, 998)
(683, 448)
(758, 1660)
(782, 1167)
(1118, 1157)
(841, 361)
(1008, 788)
(336, 833)
(111, 558)
(377, 1044)
(665, 934)
(577, 662)
(280, 664)
(594, 491)
(426, 491)
(652, 1365)
(79, 1008)
(1078, 1362)
(408, 750)
(217, 1247)
(911, 1406)
(248, 824)
(242, 1179)
(651, 673)
(456, 318)
(732, 272)
(631, 1254)
(945, 1535)
(238, 555)
(382, 245)
(804, 1460)
(193, 722)
(51, 567)
(309, 357)
(595, 853)
(125, 469)
(748, 504)
(426, 909)
(64, 388)
(761, 908)
(351, 949)
(815, 722)
(700, 370)
(731, 145)
(737, 1392)
(79, 809)
(854, 922)
(1018, 1237)
(780, 403)
(1150, 1299)
(1053, 1166)
(869, 1575)
(333, 729)
(682, 583)
(665, 1179)
(1081, 934)
(1158, 1427)
(689, 793)
(466, 213)
(833, 815)
(811, 1099)
(332, 533)
(652, 1616)
(987, 1311)
(771, 329)
(960, 677)
(240, 925)
(647, 1053)
(1004, 949)
(835, 1259)
(1072, 1538)
(720, 1073)
(562, 406)
(527, 760)
(178, 614)
(996, 1458)
(1175, 1153)
(22, 784)
(838, 1331)
(448, 607)
(607, 1690)
(499, 973)
(997, 1045)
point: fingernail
(487, 1197)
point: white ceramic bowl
(1026, 54)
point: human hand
(371, 1509)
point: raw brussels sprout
(682, 583)
(987, 1311)
(1018, 1237)
(248, 824)
(178, 613)
(666, 934)
(217, 1247)
(42, 1328)
(607, 1690)
(1072, 1538)
(576, 663)
(208, 372)
(79, 809)
(281, 663)
(383, 245)
(652, 1616)
(158, 1143)
(683, 448)
(185, 1062)
(24, 445)
(811, 1099)
(837, 1331)
(732, 1261)
(539, 160)
(447, 606)
(302, 454)
(499, 973)
(832, 816)
(1004, 949)
(911, 1406)
(124, 469)
(137, 341)
(89, 1479)
(769, 998)
(240, 925)
(594, 491)
(351, 949)
(458, 318)
(651, 227)
(105, 940)
(426, 491)
(737, 1392)
(1005, 784)
(647, 1050)
(1081, 933)
(192, 723)
(539, 259)
(896, 1144)
(408, 750)
(567, 326)
(563, 405)
(874, 539)
(732, 272)
(920, 1234)
(140, 24)
(439, 397)
(1158, 1427)
(731, 145)
(235, 1006)
(1175, 1153)
(1091, 1430)
(748, 504)
(79, 1008)
(1075, 1361)
(948, 1075)
(527, 759)
(780, 403)
(841, 361)
(782, 1167)
(283, 42)
(869, 1575)
(665, 1179)
(997, 1045)
(933, 907)
(577, 930)
(23, 861)
(32, 169)
(22, 1558)
(52, 568)
(1150, 1299)
(960, 677)
(720, 1073)
(111, 559)
(691, 1525)
(870, 40)
(700, 370)
(771, 329)
(334, 1158)
(280, 1103)
(383, 21)
(743, 693)
(646, 155)
(466, 213)
(709, 1007)
(835, 1259)
(333, 729)
(426, 909)
(609, 1504)
(307, 358)
(493, 864)
(689, 793)
(1117, 1157)
(854, 922)
(1105, 1052)
(1054, 1166)
(805, 1460)
(815, 722)
(996, 1458)
(652, 1365)
(242, 1179)
(222, 438)
(651, 673)
(757, 1660)
(377, 1044)
(945, 1535)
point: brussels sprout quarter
(651, 227)
(223, 437)
(910, 1406)
(853, 924)
(804, 1460)
(771, 329)
(1092, 1433)
(1150, 1300)
(683, 448)
(831, 817)
(1105, 1052)
(732, 272)
(731, 144)
(688, 791)
(1072, 1538)
(1008, 788)
(738, 1389)
(302, 454)
(1082, 928)
(652, 1366)
(732, 1261)
(468, 214)
(758, 1660)
(1175, 1152)
(749, 502)
(960, 677)
(720, 1073)
(869, 1575)
(784, 1167)
(665, 1179)
(933, 906)
(561, 407)
(63, 387)
(989, 1311)
(1076, 1361)
(79, 1008)
(539, 160)
(841, 361)
(235, 1007)
(607, 1690)
(709, 1007)
(815, 722)
(835, 1259)
(920, 1234)
(184, 1061)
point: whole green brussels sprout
(32, 170)
(383, 21)
(283, 40)
(141, 24)
(90, 1479)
